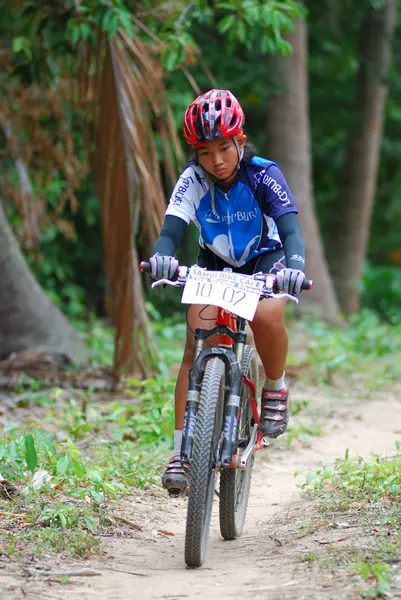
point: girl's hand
(163, 267)
(290, 281)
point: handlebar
(147, 268)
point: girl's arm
(290, 235)
(170, 236)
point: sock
(274, 385)
(177, 442)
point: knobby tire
(202, 473)
(235, 483)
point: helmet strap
(240, 152)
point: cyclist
(247, 220)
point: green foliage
(56, 29)
(153, 420)
(70, 269)
(93, 16)
(381, 291)
(171, 334)
(380, 574)
(302, 433)
(76, 542)
(254, 24)
(99, 338)
(367, 349)
(84, 455)
(366, 491)
(333, 67)
(44, 32)
(250, 24)
(355, 482)
(66, 486)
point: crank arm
(257, 442)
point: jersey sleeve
(186, 195)
(276, 194)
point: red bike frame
(226, 318)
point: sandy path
(262, 562)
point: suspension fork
(192, 402)
(231, 409)
(233, 381)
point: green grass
(65, 473)
(366, 352)
(354, 481)
(367, 491)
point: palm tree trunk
(351, 223)
(289, 145)
(120, 193)
(28, 319)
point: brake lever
(282, 295)
(165, 282)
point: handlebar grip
(307, 284)
(145, 267)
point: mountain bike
(221, 433)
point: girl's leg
(270, 335)
(198, 316)
(271, 341)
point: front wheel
(204, 455)
(235, 483)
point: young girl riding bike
(247, 221)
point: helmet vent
(214, 115)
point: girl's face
(220, 159)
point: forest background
(93, 94)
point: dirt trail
(262, 563)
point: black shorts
(268, 262)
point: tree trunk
(288, 133)
(120, 191)
(28, 319)
(351, 222)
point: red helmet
(216, 114)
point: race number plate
(231, 291)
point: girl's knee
(268, 318)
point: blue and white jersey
(239, 224)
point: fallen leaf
(7, 489)
(165, 532)
(13, 515)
